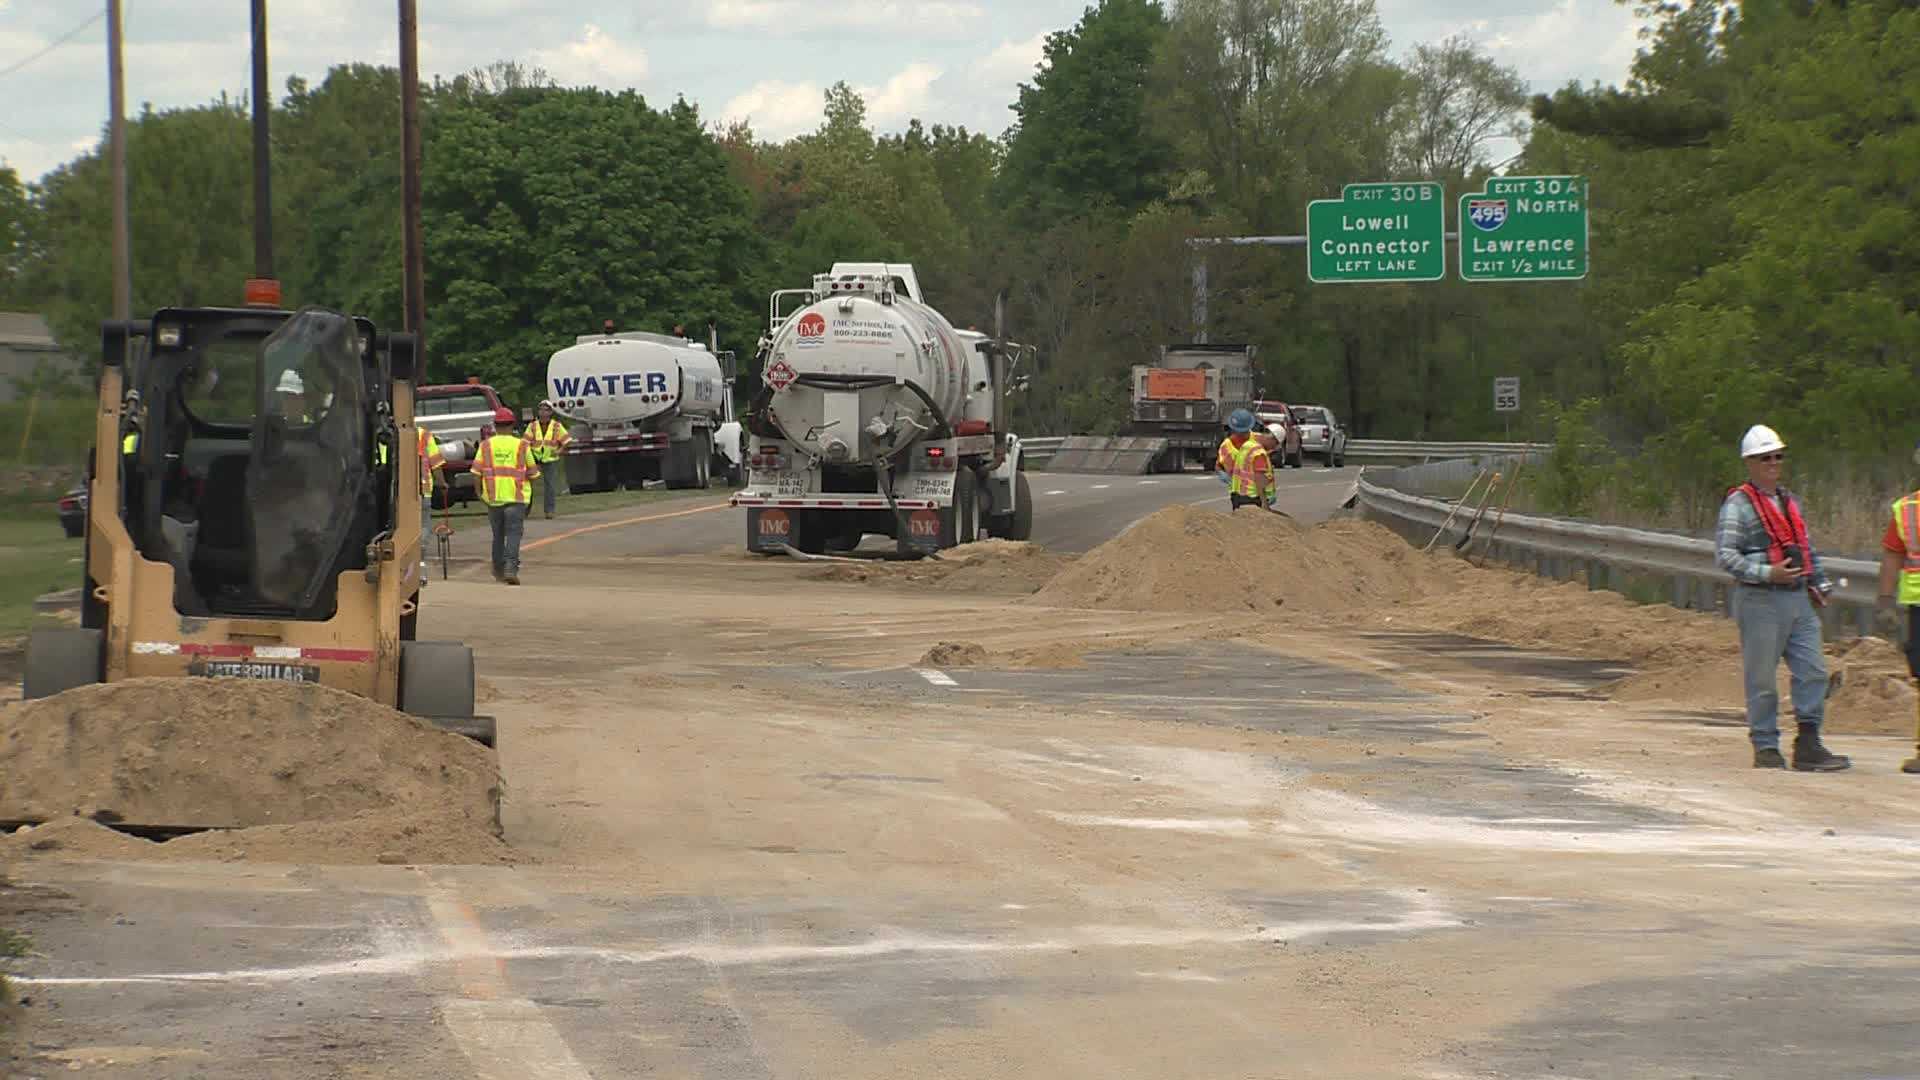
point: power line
(54, 44)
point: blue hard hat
(1240, 422)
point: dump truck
(641, 406)
(253, 512)
(877, 417)
(1186, 397)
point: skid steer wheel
(436, 685)
(62, 659)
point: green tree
(549, 210)
(189, 213)
(1081, 140)
(15, 221)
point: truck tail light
(936, 451)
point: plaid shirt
(1741, 542)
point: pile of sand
(1191, 559)
(286, 772)
(1185, 558)
(988, 567)
(954, 654)
(1053, 655)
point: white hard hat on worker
(1760, 439)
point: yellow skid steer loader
(254, 513)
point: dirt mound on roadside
(244, 754)
(1685, 657)
(988, 567)
(1186, 558)
(1530, 612)
(954, 654)
(1875, 695)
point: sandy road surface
(764, 840)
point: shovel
(1465, 498)
(1485, 497)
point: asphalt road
(1072, 514)
(767, 838)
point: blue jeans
(426, 530)
(507, 522)
(1776, 623)
(552, 475)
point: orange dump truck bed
(1177, 384)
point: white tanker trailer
(642, 406)
(878, 417)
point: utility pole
(117, 152)
(413, 257)
(262, 149)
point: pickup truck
(1321, 434)
(455, 413)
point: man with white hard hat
(1900, 584)
(293, 395)
(1762, 541)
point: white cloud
(1014, 61)
(931, 19)
(777, 110)
(594, 59)
(903, 97)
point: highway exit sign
(1378, 232)
(1525, 228)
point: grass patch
(35, 557)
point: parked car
(1277, 418)
(1321, 434)
(73, 511)
(455, 413)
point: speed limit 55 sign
(1506, 394)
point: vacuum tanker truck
(643, 406)
(877, 417)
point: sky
(955, 62)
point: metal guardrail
(1415, 450)
(1040, 450)
(1607, 555)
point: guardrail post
(1677, 590)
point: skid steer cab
(254, 513)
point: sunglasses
(1770, 458)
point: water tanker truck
(643, 406)
(877, 417)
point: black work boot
(1768, 758)
(1810, 756)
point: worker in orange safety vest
(1243, 465)
(504, 466)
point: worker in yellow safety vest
(504, 466)
(548, 437)
(1900, 584)
(1243, 465)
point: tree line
(1753, 241)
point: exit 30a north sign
(1525, 228)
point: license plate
(786, 484)
(933, 487)
(256, 669)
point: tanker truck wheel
(966, 507)
(1019, 523)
